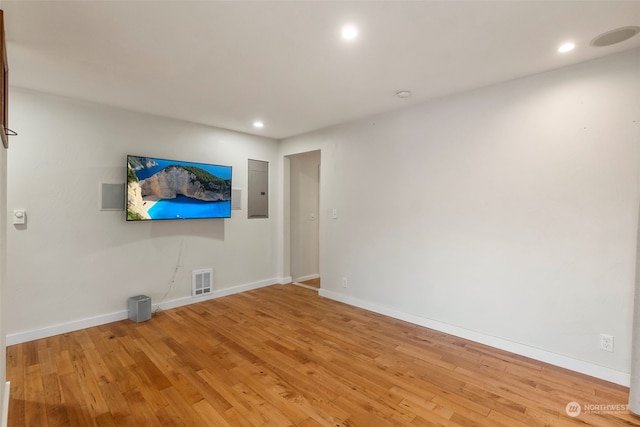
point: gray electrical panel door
(258, 192)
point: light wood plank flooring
(282, 356)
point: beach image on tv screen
(171, 189)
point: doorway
(304, 206)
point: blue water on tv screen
(173, 189)
(184, 207)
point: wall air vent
(201, 282)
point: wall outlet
(344, 282)
(606, 342)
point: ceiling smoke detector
(615, 36)
(403, 93)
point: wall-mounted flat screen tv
(173, 189)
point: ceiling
(228, 63)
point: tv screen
(173, 189)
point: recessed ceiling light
(567, 47)
(349, 32)
(615, 36)
(258, 124)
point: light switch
(19, 216)
(334, 213)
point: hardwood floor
(282, 356)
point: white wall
(304, 202)
(506, 215)
(72, 261)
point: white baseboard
(604, 373)
(215, 294)
(302, 285)
(305, 278)
(5, 404)
(63, 328)
(285, 280)
(76, 325)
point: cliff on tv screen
(172, 189)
